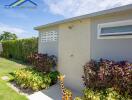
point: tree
(8, 36)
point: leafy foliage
(42, 62)
(77, 98)
(19, 49)
(8, 36)
(54, 76)
(103, 94)
(31, 78)
(109, 74)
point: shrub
(77, 98)
(42, 62)
(105, 73)
(19, 49)
(103, 94)
(31, 78)
(90, 74)
(54, 76)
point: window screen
(49, 36)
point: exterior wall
(50, 48)
(74, 51)
(1, 49)
(115, 49)
(78, 43)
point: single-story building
(104, 34)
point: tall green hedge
(19, 49)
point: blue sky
(22, 20)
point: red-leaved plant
(106, 73)
(42, 62)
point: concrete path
(53, 93)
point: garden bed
(18, 89)
(29, 80)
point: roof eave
(122, 8)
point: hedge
(19, 49)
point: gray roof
(117, 9)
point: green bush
(19, 49)
(102, 94)
(77, 98)
(31, 78)
(54, 76)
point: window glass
(117, 29)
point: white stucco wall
(74, 51)
(72, 48)
(50, 48)
(115, 49)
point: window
(49, 36)
(121, 29)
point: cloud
(70, 8)
(21, 33)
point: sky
(21, 21)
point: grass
(7, 93)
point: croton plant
(42, 62)
(106, 73)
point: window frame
(116, 35)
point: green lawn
(6, 93)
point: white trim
(114, 24)
(116, 37)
